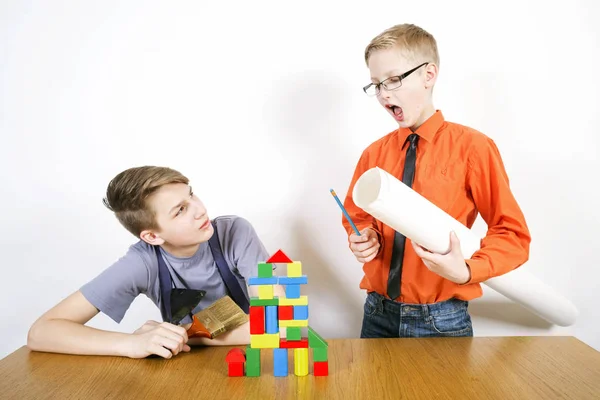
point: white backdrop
(260, 104)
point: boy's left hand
(451, 265)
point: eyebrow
(182, 202)
(394, 72)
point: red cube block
(286, 312)
(321, 368)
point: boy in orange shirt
(413, 292)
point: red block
(236, 369)
(286, 312)
(257, 320)
(235, 359)
(293, 344)
(279, 258)
(321, 368)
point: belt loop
(426, 312)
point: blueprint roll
(395, 204)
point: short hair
(413, 41)
(128, 192)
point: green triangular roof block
(315, 340)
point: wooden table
(440, 368)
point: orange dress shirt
(460, 170)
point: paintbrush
(222, 316)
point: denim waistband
(442, 307)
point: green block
(265, 270)
(315, 340)
(293, 333)
(320, 354)
(252, 361)
(255, 301)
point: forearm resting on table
(64, 336)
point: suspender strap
(231, 282)
(166, 283)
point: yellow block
(301, 362)
(294, 270)
(302, 301)
(285, 323)
(265, 341)
(265, 292)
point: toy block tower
(279, 323)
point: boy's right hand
(366, 246)
(163, 339)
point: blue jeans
(384, 318)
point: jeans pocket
(456, 323)
(373, 306)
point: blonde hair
(411, 40)
(128, 192)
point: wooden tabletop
(546, 367)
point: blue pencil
(344, 211)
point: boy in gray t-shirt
(157, 205)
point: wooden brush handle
(198, 329)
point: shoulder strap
(231, 282)
(166, 284)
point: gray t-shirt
(113, 291)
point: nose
(200, 210)
(383, 92)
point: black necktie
(408, 175)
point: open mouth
(396, 111)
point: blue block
(271, 319)
(255, 281)
(280, 362)
(300, 312)
(286, 280)
(292, 291)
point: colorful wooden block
(279, 258)
(293, 333)
(302, 280)
(235, 359)
(265, 270)
(286, 312)
(265, 341)
(255, 281)
(252, 361)
(280, 362)
(235, 369)
(315, 340)
(293, 344)
(319, 353)
(255, 301)
(300, 312)
(271, 319)
(321, 368)
(293, 323)
(294, 269)
(301, 362)
(265, 292)
(257, 320)
(292, 291)
(302, 301)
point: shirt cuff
(479, 271)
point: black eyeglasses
(391, 83)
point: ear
(431, 73)
(151, 238)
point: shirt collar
(427, 130)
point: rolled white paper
(386, 198)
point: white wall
(261, 105)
